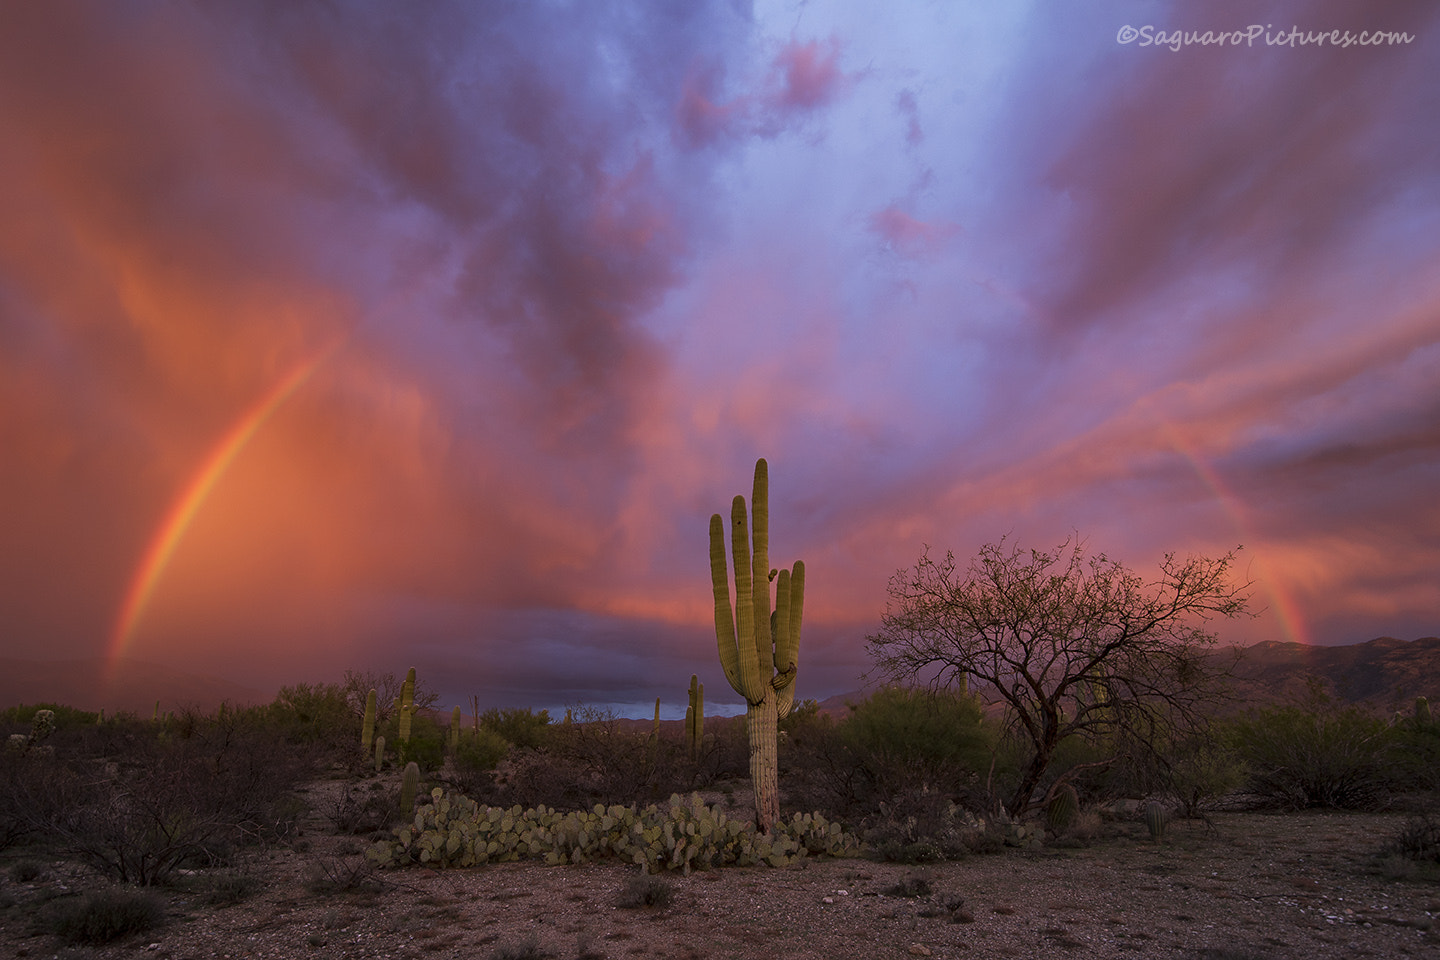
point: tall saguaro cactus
(759, 649)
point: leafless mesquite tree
(357, 684)
(1073, 644)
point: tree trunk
(1020, 799)
(761, 725)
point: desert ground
(1244, 885)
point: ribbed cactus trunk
(759, 650)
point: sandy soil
(1248, 885)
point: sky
(367, 335)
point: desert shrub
(646, 890)
(597, 759)
(1201, 769)
(1321, 754)
(526, 949)
(17, 719)
(336, 875)
(316, 713)
(1417, 839)
(480, 750)
(924, 735)
(360, 810)
(519, 726)
(910, 885)
(927, 828)
(1416, 755)
(426, 746)
(103, 916)
(919, 750)
(25, 871)
(158, 801)
(225, 888)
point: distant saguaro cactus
(695, 717)
(367, 730)
(759, 650)
(407, 706)
(454, 730)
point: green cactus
(1060, 812)
(695, 717)
(454, 730)
(1422, 711)
(379, 753)
(407, 706)
(367, 730)
(569, 717)
(409, 786)
(759, 650)
(655, 728)
(41, 725)
(1155, 819)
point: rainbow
(182, 513)
(1292, 623)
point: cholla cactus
(41, 725)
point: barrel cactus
(1062, 808)
(1156, 816)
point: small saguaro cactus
(367, 730)
(409, 786)
(695, 717)
(379, 753)
(655, 728)
(454, 730)
(759, 650)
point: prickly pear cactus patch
(684, 834)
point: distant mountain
(1385, 673)
(134, 685)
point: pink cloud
(917, 239)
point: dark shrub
(103, 916)
(519, 726)
(646, 890)
(1321, 754)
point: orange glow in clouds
(168, 536)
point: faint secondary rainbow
(1292, 623)
(178, 519)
